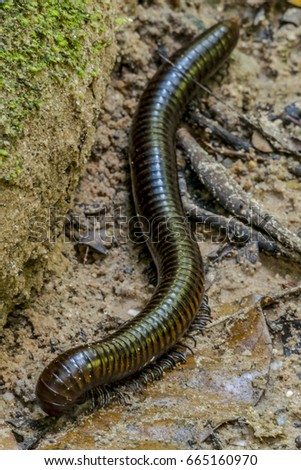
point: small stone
(276, 365)
(294, 109)
(289, 393)
(7, 441)
(227, 162)
(260, 143)
(247, 353)
(255, 3)
(292, 36)
(238, 443)
(281, 420)
(259, 17)
(296, 170)
(8, 397)
(247, 186)
(128, 270)
(120, 85)
(252, 165)
(298, 442)
(133, 312)
(292, 16)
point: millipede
(179, 293)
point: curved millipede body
(180, 290)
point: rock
(260, 143)
(256, 3)
(292, 16)
(56, 65)
(295, 170)
(294, 109)
(7, 439)
(298, 442)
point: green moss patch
(43, 42)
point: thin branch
(232, 227)
(218, 130)
(232, 197)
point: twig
(232, 227)
(225, 189)
(252, 122)
(273, 297)
(209, 430)
(231, 139)
(235, 153)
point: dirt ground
(241, 389)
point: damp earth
(241, 387)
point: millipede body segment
(180, 289)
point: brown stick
(232, 227)
(225, 189)
(219, 131)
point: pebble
(293, 110)
(228, 162)
(8, 397)
(120, 85)
(259, 17)
(281, 420)
(255, 3)
(296, 170)
(289, 393)
(238, 443)
(7, 441)
(252, 165)
(298, 442)
(292, 36)
(128, 270)
(276, 365)
(133, 312)
(292, 16)
(260, 143)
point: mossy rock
(57, 58)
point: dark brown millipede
(180, 289)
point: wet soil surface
(241, 389)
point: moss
(43, 42)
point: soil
(87, 294)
